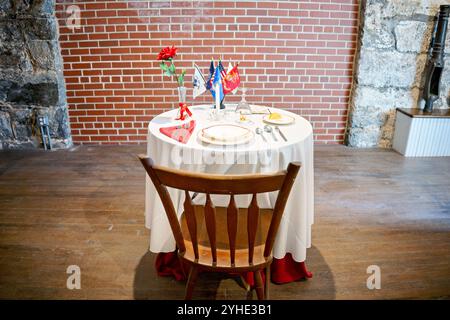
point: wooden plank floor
(85, 206)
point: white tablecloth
(257, 156)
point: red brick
(94, 6)
(294, 54)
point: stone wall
(31, 80)
(393, 43)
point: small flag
(223, 73)
(231, 80)
(199, 82)
(217, 81)
(211, 75)
(230, 66)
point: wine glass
(243, 107)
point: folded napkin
(255, 109)
(180, 133)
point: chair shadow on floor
(148, 285)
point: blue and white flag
(217, 80)
(199, 82)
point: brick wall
(296, 55)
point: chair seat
(223, 249)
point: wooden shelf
(418, 113)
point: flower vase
(181, 98)
(182, 94)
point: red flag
(231, 80)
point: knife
(281, 133)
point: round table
(256, 156)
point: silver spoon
(260, 131)
(269, 129)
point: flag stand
(222, 105)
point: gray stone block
(42, 54)
(5, 126)
(45, 7)
(413, 36)
(62, 123)
(364, 137)
(27, 7)
(10, 31)
(408, 8)
(367, 116)
(44, 94)
(39, 28)
(385, 98)
(390, 68)
(21, 123)
(5, 7)
(376, 32)
(380, 39)
(12, 58)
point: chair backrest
(232, 185)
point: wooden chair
(210, 254)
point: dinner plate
(225, 134)
(285, 119)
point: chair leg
(259, 285)
(245, 284)
(193, 273)
(266, 286)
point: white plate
(285, 119)
(225, 134)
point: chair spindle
(191, 222)
(210, 219)
(252, 226)
(232, 223)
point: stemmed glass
(243, 107)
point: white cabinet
(419, 134)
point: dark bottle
(435, 62)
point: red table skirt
(282, 270)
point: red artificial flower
(167, 53)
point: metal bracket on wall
(45, 132)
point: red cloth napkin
(283, 270)
(180, 133)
